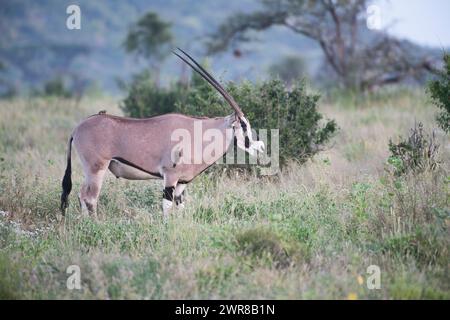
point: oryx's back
(143, 142)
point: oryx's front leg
(168, 195)
(179, 195)
(171, 195)
(167, 202)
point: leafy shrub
(425, 245)
(267, 105)
(146, 99)
(270, 105)
(57, 88)
(260, 243)
(201, 99)
(416, 153)
(439, 90)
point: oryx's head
(241, 126)
(244, 136)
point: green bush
(262, 243)
(416, 153)
(439, 90)
(146, 99)
(270, 105)
(267, 105)
(56, 88)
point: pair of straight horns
(208, 77)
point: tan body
(146, 143)
(141, 149)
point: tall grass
(311, 233)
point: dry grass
(312, 233)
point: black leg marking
(168, 193)
(89, 206)
(179, 199)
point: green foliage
(270, 105)
(9, 278)
(267, 105)
(150, 37)
(56, 88)
(359, 200)
(416, 153)
(439, 91)
(201, 99)
(146, 99)
(262, 243)
(426, 246)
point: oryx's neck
(221, 146)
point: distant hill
(35, 44)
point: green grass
(309, 234)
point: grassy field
(309, 234)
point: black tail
(67, 180)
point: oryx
(140, 149)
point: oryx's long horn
(208, 77)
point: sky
(426, 22)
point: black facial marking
(168, 193)
(243, 125)
(179, 199)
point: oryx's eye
(247, 142)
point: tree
(360, 59)
(439, 90)
(149, 38)
(289, 69)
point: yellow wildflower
(352, 296)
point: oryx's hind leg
(90, 190)
(179, 196)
